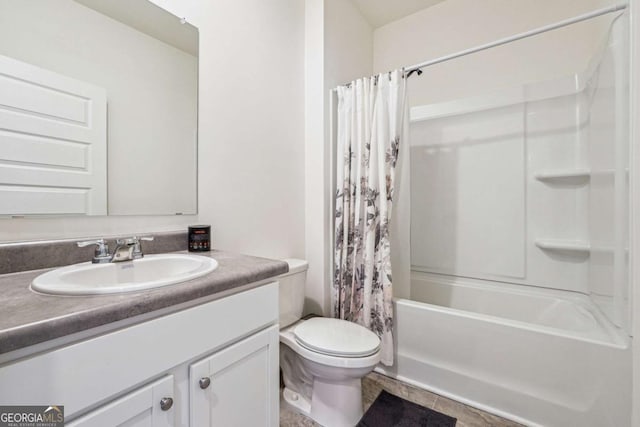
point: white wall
(456, 25)
(634, 253)
(339, 49)
(153, 109)
(252, 125)
(348, 43)
(251, 134)
(316, 162)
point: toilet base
(337, 403)
(295, 401)
(333, 404)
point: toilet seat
(336, 337)
(287, 338)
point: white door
(238, 386)
(53, 143)
(144, 407)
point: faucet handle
(100, 244)
(137, 249)
(133, 240)
(127, 241)
(101, 253)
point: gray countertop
(30, 318)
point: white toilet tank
(292, 291)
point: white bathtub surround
(518, 299)
(539, 357)
(370, 123)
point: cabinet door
(140, 408)
(238, 386)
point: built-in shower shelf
(563, 175)
(564, 245)
(578, 246)
(576, 175)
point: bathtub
(538, 357)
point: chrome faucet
(126, 249)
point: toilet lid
(336, 337)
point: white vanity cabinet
(125, 377)
(150, 405)
(235, 386)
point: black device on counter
(199, 238)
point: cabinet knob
(204, 382)
(166, 403)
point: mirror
(98, 109)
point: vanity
(197, 353)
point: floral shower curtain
(370, 122)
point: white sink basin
(152, 271)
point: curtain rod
(417, 68)
(520, 36)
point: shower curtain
(370, 123)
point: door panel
(53, 143)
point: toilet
(322, 360)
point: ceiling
(381, 12)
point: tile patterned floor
(373, 383)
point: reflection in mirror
(98, 109)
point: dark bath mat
(393, 411)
